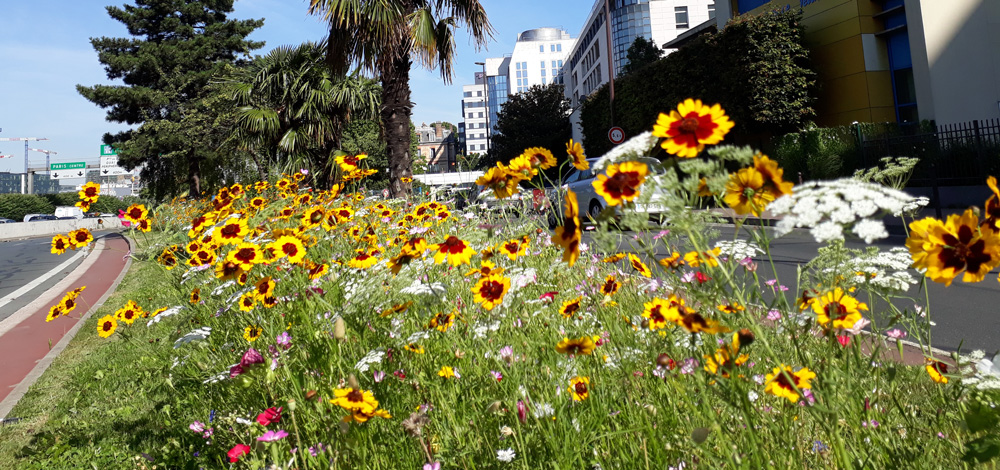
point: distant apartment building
(538, 58)
(437, 147)
(594, 59)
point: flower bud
(339, 329)
(352, 382)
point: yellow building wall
(833, 29)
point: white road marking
(40, 279)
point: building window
(480, 114)
(711, 11)
(541, 48)
(524, 66)
(681, 15)
(479, 93)
(560, 64)
(468, 94)
(543, 81)
(518, 65)
(553, 64)
(558, 47)
(543, 72)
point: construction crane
(25, 140)
(6, 156)
(46, 152)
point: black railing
(950, 155)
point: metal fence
(950, 155)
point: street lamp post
(486, 104)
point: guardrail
(40, 228)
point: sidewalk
(28, 344)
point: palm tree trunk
(396, 108)
(194, 175)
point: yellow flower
(614, 258)
(568, 234)
(252, 332)
(936, 369)
(80, 238)
(539, 157)
(352, 399)
(362, 261)
(500, 181)
(442, 321)
(569, 308)
(610, 285)
(513, 248)
(247, 302)
(361, 416)
(90, 192)
(672, 262)
(639, 266)
(349, 163)
(660, 312)
(787, 384)
(731, 307)
(579, 388)
(991, 210)
(958, 245)
(313, 217)
(575, 152)
(106, 326)
(839, 308)
(406, 179)
(55, 311)
(129, 312)
(726, 358)
(486, 268)
(490, 290)
(708, 258)
(398, 308)
(231, 232)
(195, 296)
(576, 347)
(694, 322)
(136, 212)
(59, 244)
(457, 251)
(621, 182)
(289, 247)
(690, 127)
(750, 190)
(414, 348)
(246, 255)
(447, 372)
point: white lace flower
(738, 249)
(166, 313)
(506, 455)
(373, 357)
(197, 334)
(870, 230)
(419, 288)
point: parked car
(592, 204)
(39, 217)
(6, 221)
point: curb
(22, 388)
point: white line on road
(38, 280)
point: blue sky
(45, 52)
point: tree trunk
(194, 176)
(396, 108)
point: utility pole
(27, 175)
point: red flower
(238, 451)
(701, 277)
(844, 340)
(269, 416)
(548, 296)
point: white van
(69, 211)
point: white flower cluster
(373, 357)
(637, 146)
(166, 313)
(198, 334)
(828, 207)
(419, 288)
(738, 249)
(981, 372)
(885, 270)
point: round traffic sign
(616, 135)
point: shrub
(16, 206)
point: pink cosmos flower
(379, 376)
(522, 411)
(896, 333)
(272, 436)
(237, 451)
(432, 466)
(497, 375)
(773, 315)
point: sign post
(616, 135)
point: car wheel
(595, 210)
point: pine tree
(175, 50)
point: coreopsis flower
(144, 225)
(575, 152)
(708, 258)
(486, 268)
(659, 312)
(252, 332)
(247, 302)
(83, 205)
(362, 261)
(129, 313)
(639, 266)
(136, 212)
(726, 358)
(513, 248)
(694, 322)
(690, 127)
(80, 238)
(991, 210)
(784, 383)
(60, 243)
(231, 232)
(313, 217)
(539, 157)
(936, 369)
(398, 308)
(195, 296)
(568, 234)
(198, 224)
(55, 311)
(838, 309)
(958, 245)
(406, 179)
(454, 249)
(442, 321)
(106, 326)
(672, 262)
(621, 182)
(614, 258)
(289, 247)
(202, 257)
(90, 192)
(68, 302)
(447, 372)
(501, 181)
(610, 285)
(570, 307)
(579, 388)
(750, 190)
(575, 347)
(246, 255)
(349, 163)
(490, 290)
(731, 307)
(258, 203)
(316, 271)
(414, 348)
(361, 416)
(167, 259)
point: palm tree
(291, 106)
(385, 37)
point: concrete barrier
(40, 228)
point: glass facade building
(629, 20)
(497, 86)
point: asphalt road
(966, 315)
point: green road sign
(107, 150)
(67, 166)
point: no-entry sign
(616, 135)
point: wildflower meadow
(308, 328)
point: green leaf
(980, 417)
(981, 450)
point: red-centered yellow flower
(839, 308)
(59, 244)
(289, 247)
(773, 176)
(991, 210)
(732, 307)
(195, 296)
(167, 259)
(136, 212)
(659, 312)
(690, 127)
(414, 348)
(362, 261)
(106, 326)
(247, 302)
(499, 180)
(68, 302)
(90, 192)
(442, 321)
(246, 255)
(231, 232)
(570, 307)
(252, 332)
(614, 258)
(457, 251)
(490, 290)
(583, 346)
(406, 179)
(750, 190)
(80, 238)
(694, 322)
(313, 217)
(129, 312)
(568, 234)
(726, 358)
(269, 301)
(579, 388)
(144, 225)
(349, 163)
(55, 311)
(539, 157)
(201, 258)
(486, 268)
(362, 417)
(228, 270)
(610, 285)
(263, 288)
(621, 182)
(784, 383)
(398, 308)
(83, 205)
(703, 189)
(708, 258)
(198, 224)
(317, 271)
(513, 248)
(352, 399)
(960, 244)
(575, 152)
(936, 369)
(672, 262)
(639, 266)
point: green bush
(62, 199)
(818, 153)
(16, 206)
